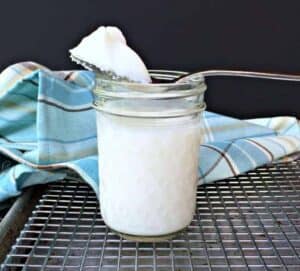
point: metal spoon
(110, 75)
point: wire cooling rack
(250, 222)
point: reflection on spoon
(250, 74)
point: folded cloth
(47, 125)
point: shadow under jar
(148, 144)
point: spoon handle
(251, 74)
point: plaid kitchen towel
(47, 125)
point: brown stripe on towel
(31, 65)
(222, 155)
(68, 76)
(64, 108)
(262, 147)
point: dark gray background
(185, 35)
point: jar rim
(191, 82)
(136, 90)
(150, 100)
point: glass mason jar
(148, 144)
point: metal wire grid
(251, 222)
